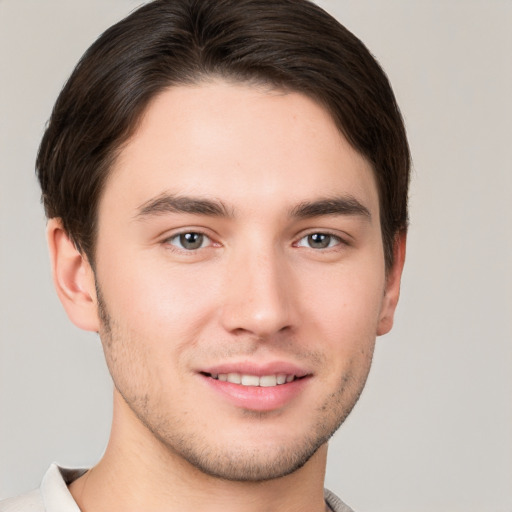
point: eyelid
(342, 239)
(166, 240)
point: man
(226, 188)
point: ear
(392, 291)
(73, 278)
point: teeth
(268, 381)
(234, 378)
(250, 380)
(254, 380)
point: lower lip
(257, 398)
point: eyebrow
(345, 205)
(168, 203)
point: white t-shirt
(54, 495)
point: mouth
(257, 388)
(263, 387)
(264, 381)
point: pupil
(319, 240)
(191, 240)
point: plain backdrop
(433, 429)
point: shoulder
(334, 503)
(30, 502)
(52, 496)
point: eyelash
(180, 238)
(330, 236)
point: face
(240, 276)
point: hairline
(201, 79)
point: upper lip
(251, 368)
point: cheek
(348, 306)
(345, 324)
(156, 300)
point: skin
(265, 286)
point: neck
(137, 472)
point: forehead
(238, 142)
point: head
(284, 44)
(177, 125)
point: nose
(260, 295)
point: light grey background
(433, 430)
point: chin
(255, 465)
(254, 459)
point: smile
(265, 381)
(257, 388)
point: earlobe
(392, 292)
(73, 278)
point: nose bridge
(259, 295)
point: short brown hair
(288, 44)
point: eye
(319, 241)
(189, 241)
